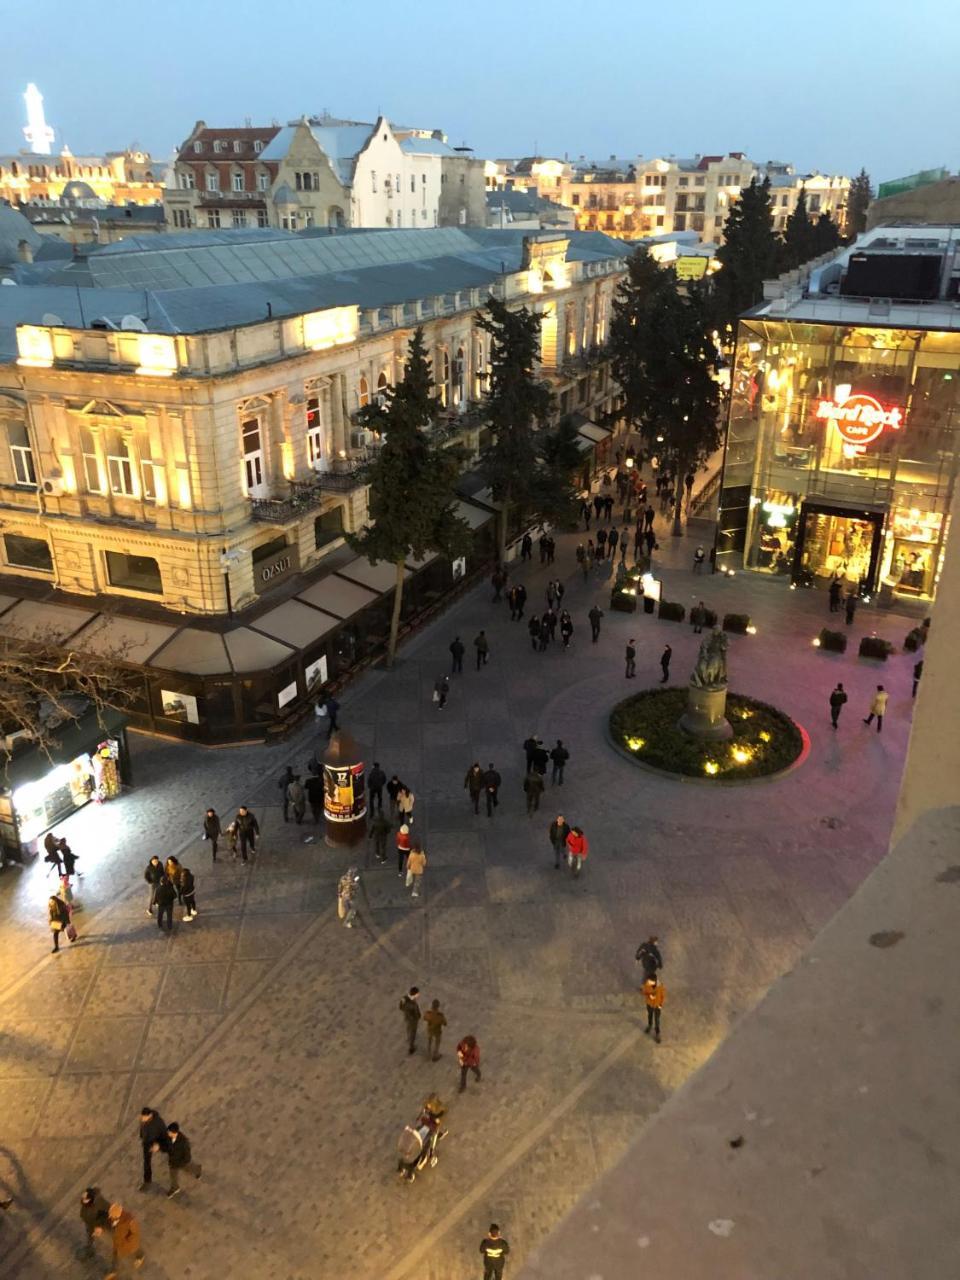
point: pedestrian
(558, 831)
(416, 865)
(585, 513)
(172, 870)
(526, 547)
(379, 830)
(482, 646)
(533, 626)
(698, 558)
(457, 651)
(541, 758)
(58, 917)
(551, 594)
(297, 799)
(665, 663)
(559, 756)
(542, 541)
(835, 592)
(551, 548)
(654, 993)
(597, 504)
(608, 507)
(595, 614)
(125, 1240)
(850, 606)
(284, 785)
(648, 517)
(375, 784)
(698, 616)
(521, 591)
(346, 889)
(591, 552)
(441, 689)
(601, 544)
(436, 1020)
(637, 539)
(393, 790)
(631, 656)
(247, 831)
(577, 846)
(624, 543)
(68, 858)
(878, 707)
(491, 788)
(405, 802)
(566, 629)
(650, 542)
(533, 787)
(212, 831)
(473, 783)
(52, 846)
(154, 874)
(512, 602)
(153, 1138)
(494, 1249)
(837, 698)
(180, 1158)
(95, 1215)
(468, 1055)
(188, 891)
(314, 789)
(612, 539)
(410, 1008)
(917, 673)
(688, 486)
(551, 620)
(166, 896)
(559, 590)
(328, 706)
(648, 954)
(403, 847)
(498, 580)
(581, 554)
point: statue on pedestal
(705, 716)
(711, 669)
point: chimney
(24, 251)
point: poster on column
(344, 792)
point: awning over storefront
(43, 622)
(337, 596)
(249, 651)
(416, 565)
(380, 577)
(473, 516)
(196, 652)
(595, 434)
(127, 639)
(296, 624)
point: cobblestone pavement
(273, 1035)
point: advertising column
(344, 791)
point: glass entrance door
(834, 542)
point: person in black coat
(541, 758)
(153, 1138)
(247, 830)
(283, 784)
(558, 831)
(52, 846)
(212, 830)
(559, 757)
(188, 893)
(376, 781)
(457, 650)
(595, 614)
(533, 626)
(94, 1213)
(393, 790)
(473, 783)
(314, 789)
(648, 954)
(530, 749)
(521, 599)
(68, 858)
(153, 874)
(180, 1158)
(491, 788)
(165, 896)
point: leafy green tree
(826, 235)
(412, 481)
(750, 254)
(858, 201)
(799, 236)
(664, 358)
(518, 404)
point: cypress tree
(858, 201)
(749, 255)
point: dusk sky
(827, 84)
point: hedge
(736, 622)
(835, 641)
(671, 611)
(875, 647)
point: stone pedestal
(705, 716)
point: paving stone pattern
(273, 1035)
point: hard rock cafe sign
(860, 419)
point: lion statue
(711, 669)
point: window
(459, 367)
(328, 527)
(783, 201)
(213, 181)
(213, 217)
(413, 184)
(197, 148)
(814, 204)
(119, 466)
(610, 221)
(382, 385)
(91, 467)
(28, 553)
(22, 455)
(236, 146)
(399, 218)
(682, 203)
(443, 179)
(696, 222)
(373, 179)
(576, 197)
(443, 386)
(148, 481)
(478, 370)
(289, 222)
(238, 218)
(423, 215)
(683, 182)
(238, 182)
(680, 222)
(660, 220)
(258, 146)
(181, 218)
(698, 182)
(218, 146)
(298, 181)
(314, 432)
(263, 181)
(133, 573)
(363, 392)
(186, 180)
(262, 218)
(253, 468)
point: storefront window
(28, 553)
(134, 573)
(328, 527)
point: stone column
(338, 415)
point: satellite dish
(134, 323)
(49, 317)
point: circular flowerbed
(764, 741)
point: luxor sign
(860, 419)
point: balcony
(306, 495)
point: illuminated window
(363, 392)
(443, 384)
(91, 467)
(119, 466)
(253, 468)
(459, 369)
(314, 432)
(22, 455)
(478, 378)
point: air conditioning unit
(54, 487)
(361, 439)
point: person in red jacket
(403, 848)
(577, 847)
(468, 1055)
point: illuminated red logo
(860, 419)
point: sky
(827, 84)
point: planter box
(710, 620)
(833, 641)
(623, 603)
(874, 647)
(648, 604)
(736, 622)
(914, 640)
(670, 611)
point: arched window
(363, 392)
(570, 324)
(479, 380)
(382, 385)
(443, 387)
(459, 363)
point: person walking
(698, 616)
(153, 1138)
(410, 1008)
(393, 790)
(648, 517)
(850, 606)
(631, 658)
(551, 548)
(379, 830)
(58, 918)
(247, 829)
(648, 954)
(526, 547)
(468, 1056)
(665, 663)
(436, 1020)
(482, 646)
(441, 689)
(498, 580)
(491, 788)
(613, 538)
(654, 993)
(212, 831)
(95, 1216)
(375, 784)
(457, 650)
(153, 874)
(403, 848)
(314, 789)
(581, 554)
(551, 594)
(68, 859)
(545, 631)
(541, 758)
(166, 897)
(330, 708)
(346, 891)
(595, 614)
(297, 799)
(608, 507)
(566, 629)
(624, 540)
(917, 673)
(533, 787)
(125, 1238)
(179, 1158)
(638, 538)
(533, 626)
(558, 831)
(559, 591)
(171, 870)
(284, 785)
(530, 747)
(473, 783)
(835, 592)
(601, 543)
(188, 891)
(52, 855)
(542, 543)
(405, 802)
(550, 618)
(878, 707)
(494, 1249)
(585, 513)
(698, 558)
(650, 542)
(512, 602)
(837, 698)
(688, 486)
(416, 865)
(559, 757)
(577, 847)
(521, 599)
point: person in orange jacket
(654, 993)
(126, 1239)
(577, 846)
